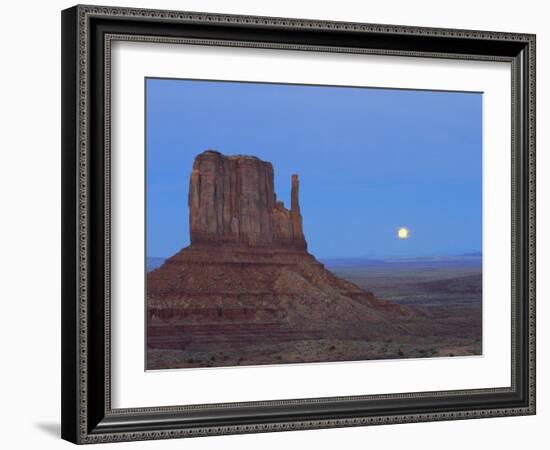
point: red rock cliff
(232, 200)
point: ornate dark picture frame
(87, 33)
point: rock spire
(232, 200)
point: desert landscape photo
(301, 224)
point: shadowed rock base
(244, 301)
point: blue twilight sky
(369, 161)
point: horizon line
(446, 255)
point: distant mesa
(246, 281)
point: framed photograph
(277, 224)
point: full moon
(402, 233)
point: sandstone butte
(247, 275)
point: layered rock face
(232, 200)
(246, 284)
